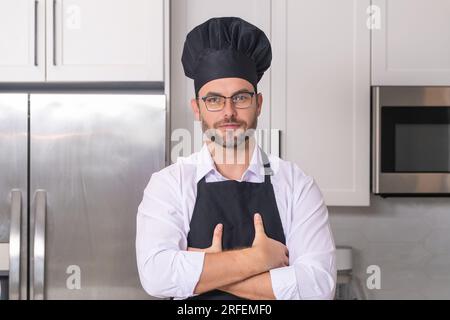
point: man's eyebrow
(211, 93)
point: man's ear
(195, 108)
(259, 101)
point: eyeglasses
(242, 100)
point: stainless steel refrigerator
(73, 168)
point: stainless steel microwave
(411, 141)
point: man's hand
(272, 253)
(216, 245)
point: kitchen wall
(408, 238)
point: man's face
(229, 125)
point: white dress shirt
(166, 269)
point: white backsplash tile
(438, 267)
(438, 241)
(408, 238)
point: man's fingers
(194, 249)
(259, 226)
(217, 237)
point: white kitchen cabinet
(22, 36)
(105, 40)
(82, 40)
(321, 93)
(412, 44)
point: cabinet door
(321, 85)
(22, 39)
(412, 44)
(105, 40)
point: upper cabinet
(411, 44)
(82, 40)
(321, 93)
(22, 40)
(105, 40)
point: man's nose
(229, 109)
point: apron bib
(233, 204)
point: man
(231, 222)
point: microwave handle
(376, 136)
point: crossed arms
(247, 270)
(168, 268)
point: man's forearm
(227, 267)
(258, 287)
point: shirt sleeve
(311, 273)
(165, 268)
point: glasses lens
(242, 100)
(214, 102)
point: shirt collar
(206, 164)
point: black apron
(233, 204)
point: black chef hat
(226, 47)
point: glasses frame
(252, 94)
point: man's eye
(240, 97)
(213, 99)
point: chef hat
(226, 47)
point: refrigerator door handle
(14, 245)
(38, 247)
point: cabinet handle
(54, 32)
(36, 3)
(275, 143)
(15, 245)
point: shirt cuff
(190, 270)
(284, 283)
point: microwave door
(411, 141)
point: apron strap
(267, 169)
